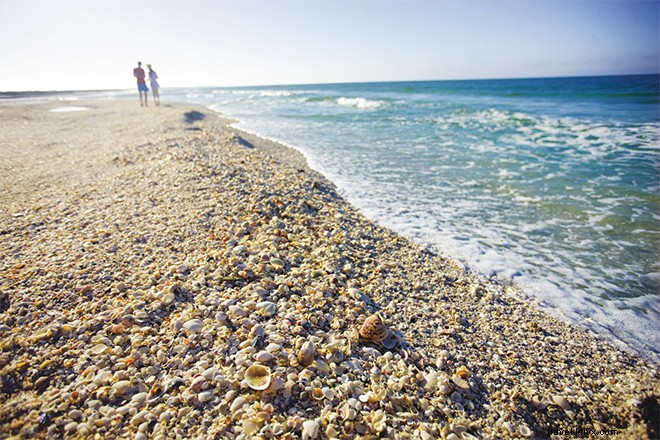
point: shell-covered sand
(165, 276)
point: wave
(361, 103)
(276, 93)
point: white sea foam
(361, 103)
(69, 109)
(275, 93)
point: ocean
(552, 184)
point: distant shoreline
(44, 93)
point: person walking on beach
(138, 72)
(153, 77)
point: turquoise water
(549, 183)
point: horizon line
(60, 91)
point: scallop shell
(257, 377)
(306, 354)
(373, 329)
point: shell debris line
(172, 283)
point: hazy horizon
(331, 83)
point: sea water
(552, 184)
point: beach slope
(163, 275)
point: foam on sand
(69, 109)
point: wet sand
(149, 257)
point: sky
(95, 44)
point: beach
(164, 275)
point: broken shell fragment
(390, 340)
(561, 401)
(257, 377)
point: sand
(151, 256)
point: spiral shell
(373, 329)
(257, 377)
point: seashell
(562, 402)
(357, 294)
(237, 403)
(431, 380)
(444, 389)
(460, 382)
(371, 351)
(379, 421)
(169, 298)
(373, 329)
(99, 349)
(210, 373)
(317, 394)
(462, 372)
(306, 354)
(263, 356)
(322, 366)
(140, 397)
(250, 426)
(199, 383)
(277, 263)
(257, 377)
(205, 396)
(390, 340)
(193, 326)
(155, 392)
(118, 328)
(328, 393)
(525, 431)
(237, 310)
(121, 387)
(273, 348)
(310, 429)
(267, 308)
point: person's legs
(142, 88)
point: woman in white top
(154, 84)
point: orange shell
(373, 329)
(462, 372)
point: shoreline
(124, 228)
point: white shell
(561, 401)
(205, 396)
(193, 326)
(310, 429)
(237, 403)
(257, 377)
(263, 356)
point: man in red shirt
(138, 72)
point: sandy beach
(163, 275)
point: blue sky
(75, 44)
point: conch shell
(257, 377)
(373, 329)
